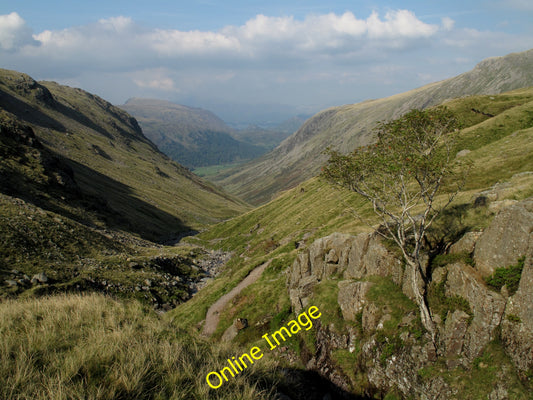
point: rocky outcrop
(469, 315)
(486, 307)
(346, 256)
(517, 324)
(352, 298)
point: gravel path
(213, 313)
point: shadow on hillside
(29, 113)
(297, 384)
(128, 211)
(91, 194)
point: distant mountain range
(300, 156)
(196, 137)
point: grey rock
(506, 239)
(466, 244)
(40, 278)
(487, 307)
(11, 282)
(352, 298)
(455, 332)
(230, 333)
(351, 257)
(517, 325)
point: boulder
(352, 298)
(39, 278)
(466, 244)
(506, 239)
(486, 305)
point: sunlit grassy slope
(92, 347)
(501, 150)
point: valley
(123, 274)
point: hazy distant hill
(192, 136)
(300, 156)
(272, 135)
(71, 152)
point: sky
(242, 58)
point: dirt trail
(213, 313)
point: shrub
(507, 276)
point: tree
(401, 175)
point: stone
(371, 317)
(39, 278)
(11, 283)
(352, 298)
(454, 332)
(230, 333)
(241, 323)
(487, 307)
(463, 153)
(517, 324)
(506, 239)
(466, 244)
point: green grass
(92, 347)
(507, 276)
(213, 170)
(493, 367)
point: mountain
(300, 156)
(73, 152)
(192, 136)
(270, 136)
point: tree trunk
(419, 294)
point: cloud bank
(333, 54)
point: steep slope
(112, 160)
(300, 156)
(369, 340)
(83, 195)
(192, 136)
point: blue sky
(302, 55)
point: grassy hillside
(192, 136)
(111, 160)
(92, 347)
(84, 195)
(344, 128)
(500, 150)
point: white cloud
(111, 38)
(402, 23)
(14, 32)
(174, 43)
(335, 55)
(448, 23)
(165, 84)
